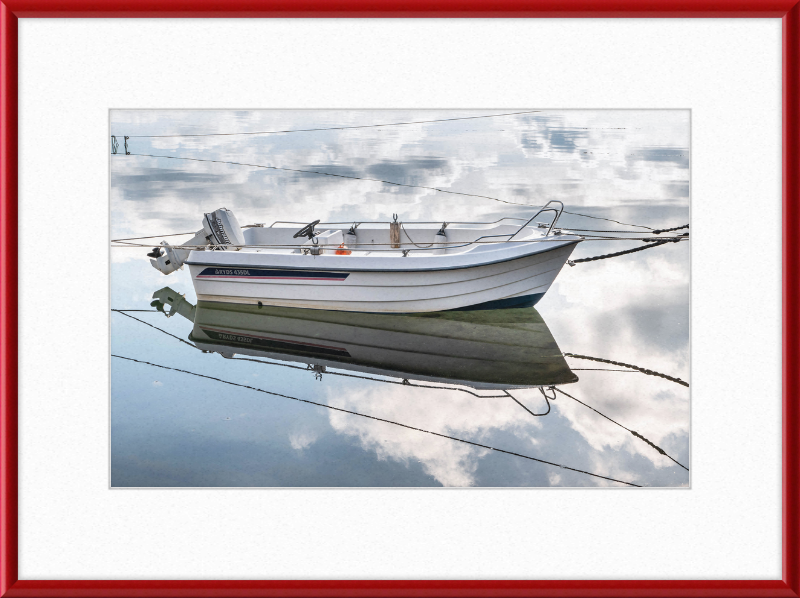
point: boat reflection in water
(487, 349)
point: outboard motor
(220, 229)
(223, 230)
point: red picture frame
(11, 10)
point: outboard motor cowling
(220, 230)
(223, 230)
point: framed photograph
(378, 287)
(329, 315)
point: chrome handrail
(387, 222)
(558, 212)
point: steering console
(307, 230)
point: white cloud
(302, 440)
(449, 462)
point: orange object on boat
(342, 250)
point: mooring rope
(592, 230)
(594, 237)
(669, 230)
(633, 367)
(603, 370)
(341, 176)
(658, 448)
(600, 218)
(152, 237)
(156, 327)
(412, 240)
(618, 253)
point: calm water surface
(281, 397)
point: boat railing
(545, 208)
(388, 222)
(449, 245)
(491, 236)
(455, 244)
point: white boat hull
(517, 276)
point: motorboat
(373, 267)
(482, 349)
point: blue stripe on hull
(245, 273)
(522, 301)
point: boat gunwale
(383, 270)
